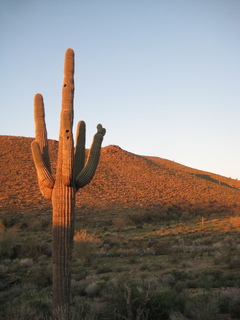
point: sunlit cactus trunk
(72, 173)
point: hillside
(123, 181)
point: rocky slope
(123, 181)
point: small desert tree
(72, 173)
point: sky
(162, 76)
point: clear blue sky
(162, 76)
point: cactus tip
(38, 96)
(100, 129)
(69, 51)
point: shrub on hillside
(134, 301)
(202, 307)
(34, 248)
(230, 302)
(85, 246)
(8, 244)
(40, 275)
(10, 221)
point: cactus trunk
(72, 173)
(63, 200)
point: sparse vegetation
(139, 241)
(178, 272)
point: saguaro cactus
(72, 173)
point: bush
(21, 312)
(34, 248)
(202, 307)
(8, 244)
(162, 304)
(40, 275)
(85, 246)
(27, 305)
(132, 301)
(10, 221)
(137, 219)
(230, 302)
(84, 251)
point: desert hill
(123, 181)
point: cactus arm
(40, 149)
(40, 129)
(87, 173)
(64, 171)
(45, 179)
(80, 148)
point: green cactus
(72, 173)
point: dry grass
(235, 222)
(211, 225)
(84, 236)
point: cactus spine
(72, 173)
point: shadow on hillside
(209, 178)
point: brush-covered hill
(123, 181)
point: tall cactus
(72, 173)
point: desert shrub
(78, 272)
(110, 241)
(214, 278)
(185, 216)
(104, 269)
(91, 287)
(139, 218)
(40, 275)
(18, 289)
(175, 258)
(174, 211)
(179, 275)
(85, 246)
(78, 287)
(84, 252)
(162, 304)
(177, 316)
(227, 253)
(79, 310)
(230, 302)
(38, 224)
(136, 219)
(32, 307)
(10, 221)
(144, 267)
(162, 248)
(202, 307)
(135, 301)
(8, 244)
(84, 236)
(122, 222)
(234, 222)
(127, 301)
(20, 312)
(34, 248)
(206, 241)
(28, 305)
(25, 262)
(94, 288)
(59, 313)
